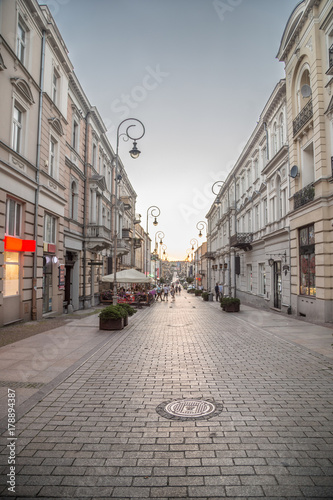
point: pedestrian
(172, 292)
(217, 292)
(166, 292)
(220, 290)
(159, 293)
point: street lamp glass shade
(135, 153)
(155, 222)
(161, 242)
(200, 234)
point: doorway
(277, 285)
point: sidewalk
(40, 362)
(318, 339)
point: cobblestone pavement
(98, 435)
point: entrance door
(47, 284)
(277, 285)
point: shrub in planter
(192, 290)
(205, 296)
(230, 304)
(197, 293)
(112, 318)
(129, 312)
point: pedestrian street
(186, 402)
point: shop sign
(62, 277)
(17, 245)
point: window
(307, 261)
(273, 211)
(55, 86)
(256, 218)
(21, 43)
(53, 158)
(265, 211)
(11, 274)
(249, 221)
(13, 218)
(74, 200)
(94, 155)
(274, 140)
(75, 134)
(283, 203)
(17, 130)
(249, 277)
(281, 131)
(256, 170)
(262, 279)
(49, 229)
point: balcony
(127, 233)
(98, 238)
(242, 240)
(330, 61)
(303, 117)
(123, 247)
(137, 242)
(304, 196)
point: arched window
(304, 92)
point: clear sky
(197, 73)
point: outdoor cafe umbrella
(127, 276)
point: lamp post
(201, 226)
(154, 212)
(159, 235)
(134, 152)
(193, 242)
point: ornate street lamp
(159, 235)
(128, 134)
(216, 184)
(154, 212)
(201, 225)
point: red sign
(17, 245)
(51, 248)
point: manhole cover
(189, 409)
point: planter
(231, 308)
(205, 298)
(126, 321)
(111, 324)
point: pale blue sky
(197, 73)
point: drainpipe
(39, 133)
(85, 211)
(235, 294)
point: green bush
(205, 295)
(197, 292)
(226, 301)
(129, 309)
(192, 290)
(113, 312)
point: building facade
(307, 52)
(270, 227)
(59, 215)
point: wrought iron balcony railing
(304, 196)
(303, 117)
(242, 240)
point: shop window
(307, 261)
(49, 229)
(13, 218)
(11, 274)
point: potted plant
(230, 304)
(129, 312)
(197, 293)
(112, 318)
(205, 296)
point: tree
(189, 280)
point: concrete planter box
(111, 324)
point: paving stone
(98, 435)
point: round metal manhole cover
(189, 409)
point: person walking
(159, 293)
(166, 292)
(220, 291)
(217, 291)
